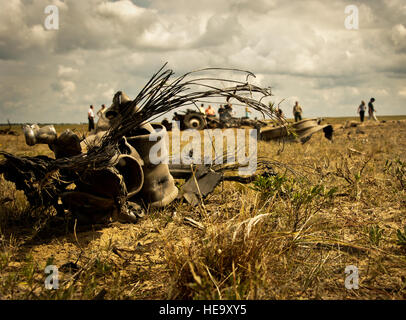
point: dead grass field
(286, 237)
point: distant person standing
(371, 110)
(221, 113)
(279, 113)
(201, 109)
(361, 111)
(228, 111)
(297, 111)
(247, 112)
(90, 117)
(101, 111)
(210, 111)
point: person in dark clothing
(371, 110)
(361, 111)
(297, 112)
(221, 113)
(90, 117)
(228, 111)
(279, 113)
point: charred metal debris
(108, 174)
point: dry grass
(288, 237)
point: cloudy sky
(301, 49)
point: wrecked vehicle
(192, 119)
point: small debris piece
(193, 223)
(359, 131)
(301, 130)
(206, 180)
(355, 151)
(5, 200)
(9, 131)
(100, 295)
(69, 267)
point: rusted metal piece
(34, 134)
(298, 131)
(159, 187)
(201, 180)
(9, 131)
(200, 183)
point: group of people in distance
(210, 112)
(371, 110)
(297, 112)
(226, 111)
(90, 115)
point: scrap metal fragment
(193, 223)
(200, 184)
(301, 130)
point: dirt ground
(338, 204)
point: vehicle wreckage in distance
(192, 119)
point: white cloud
(123, 9)
(66, 71)
(66, 88)
(402, 92)
(399, 37)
